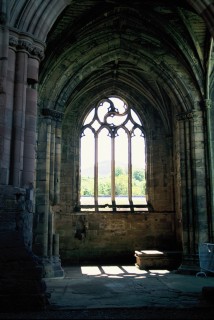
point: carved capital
(208, 103)
(53, 114)
(13, 41)
(24, 45)
(27, 45)
(38, 53)
(185, 116)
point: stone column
(184, 186)
(199, 180)
(210, 156)
(48, 172)
(28, 176)
(43, 186)
(52, 161)
(5, 121)
(19, 133)
(19, 113)
(193, 187)
(58, 134)
(189, 217)
(56, 244)
(15, 202)
(55, 157)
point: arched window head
(112, 158)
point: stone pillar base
(52, 267)
(21, 285)
(190, 264)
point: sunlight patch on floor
(133, 269)
(112, 269)
(120, 272)
(91, 271)
(158, 272)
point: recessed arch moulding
(58, 60)
(158, 100)
(166, 96)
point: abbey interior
(60, 59)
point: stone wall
(112, 237)
(21, 285)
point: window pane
(135, 117)
(90, 117)
(87, 167)
(104, 167)
(138, 167)
(121, 167)
(102, 110)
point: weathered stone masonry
(57, 60)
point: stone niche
(88, 238)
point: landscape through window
(112, 158)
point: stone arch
(18, 19)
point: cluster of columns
(18, 106)
(20, 59)
(196, 216)
(46, 241)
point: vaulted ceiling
(155, 54)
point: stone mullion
(130, 168)
(199, 181)
(19, 116)
(96, 171)
(58, 134)
(113, 173)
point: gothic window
(112, 158)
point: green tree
(139, 175)
(104, 187)
(121, 184)
(118, 171)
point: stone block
(156, 259)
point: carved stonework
(208, 103)
(13, 42)
(30, 47)
(25, 45)
(185, 116)
(53, 114)
(38, 52)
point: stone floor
(124, 292)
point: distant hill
(103, 169)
